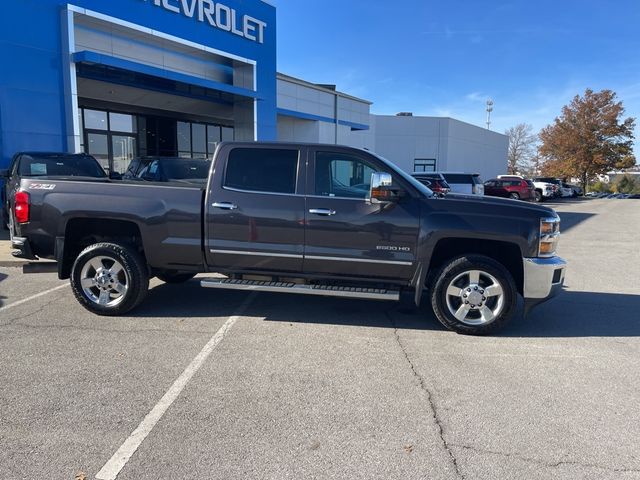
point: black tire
(514, 196)
(175, 277)
(134, 273)
(488, 268)
(537, 196)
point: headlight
(549, 236)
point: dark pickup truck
(297, 218)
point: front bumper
(543, 279)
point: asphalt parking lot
(319, 388)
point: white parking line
(32, 297)
(119, 459)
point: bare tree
(522, 147)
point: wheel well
(82, 232)
(508, 254)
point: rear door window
(271, 170)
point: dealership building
(128, 78)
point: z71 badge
(42, 186)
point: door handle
(225, 205)
(325, 212)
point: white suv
(468, 183)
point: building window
(198, 140)
(424, 165)
(110, 137)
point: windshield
(426, 191)
(60, 165)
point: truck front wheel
(109, 279)
(474, 295)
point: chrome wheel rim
(104, 281)
(475, 298)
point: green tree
(590, 137)
(626, 184)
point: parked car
(555, 182)
(576, 190)
(468, 183)
(168, 169)
(435, 181)
(566, 190)
(634, 195)
(515, 188)
(546, 191)
(272, 218)
(45, 165)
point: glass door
(112, 138)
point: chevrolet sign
(218, 16)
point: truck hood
(499, 206)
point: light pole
(489, 110)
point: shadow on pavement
(571, 314)
(573, 219)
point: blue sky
(446, 58)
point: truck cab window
(270, 170)
(340, 175)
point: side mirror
(380, 191)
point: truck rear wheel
(474, 295)
(109, 279)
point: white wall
(455, 145)
(476, 150)
(297, 130)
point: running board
(323, 290)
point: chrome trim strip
(257, 254)
(357, 260)
(309, 257)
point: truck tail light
(21, 208)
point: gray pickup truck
(297, 218)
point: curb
(12, 263)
